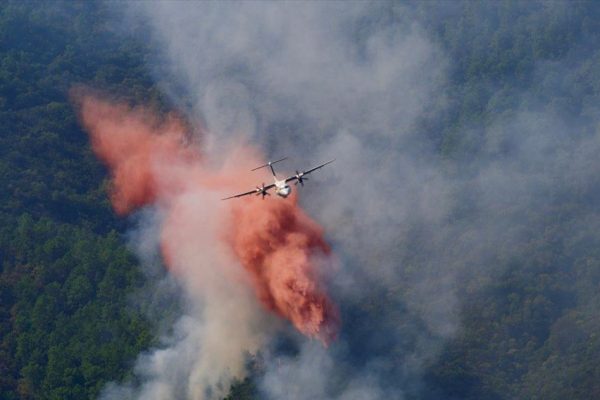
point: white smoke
(312, 81)
(317, 80)
(223, 325)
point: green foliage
(65, 292)
(497, 49)
(242, 390)
(530, 331)
(66, 326)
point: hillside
(511, 133)
(66, 321)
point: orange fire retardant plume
(153, 161)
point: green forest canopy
(67, 325)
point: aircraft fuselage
(282, 189)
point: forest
(529, 330)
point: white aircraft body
(281, 185)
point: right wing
(301, 174)
(258, 190)
(316, 168)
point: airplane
(281, 185)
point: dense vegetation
(66, 326)
(532, 330)
(66, 323)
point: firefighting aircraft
(281, 186)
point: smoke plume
(217, 250)
(416, 232)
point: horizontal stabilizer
(269, 164)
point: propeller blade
(300, 179)
(261, 190)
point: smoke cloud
(287, 79)
(414, 233)
(226, 255)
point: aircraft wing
(294, 177)
(256, 191)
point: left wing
(259, 190)
(299, 175)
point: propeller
(261, 190)
(299, 178)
